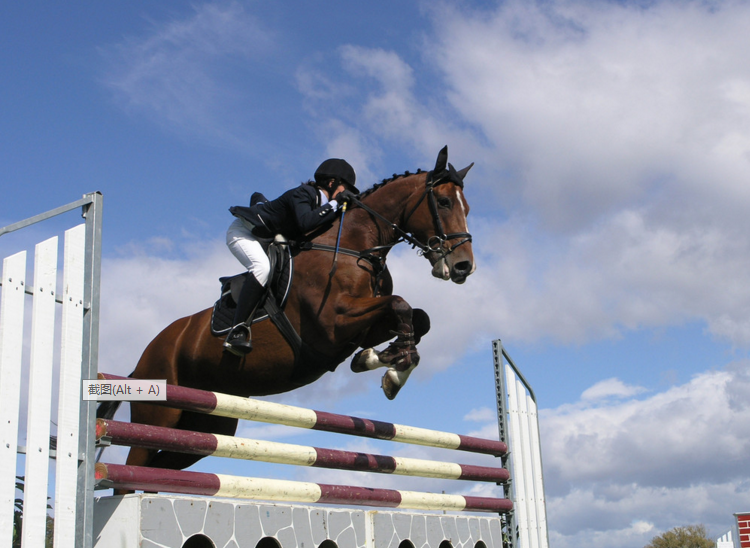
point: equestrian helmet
(335, 168)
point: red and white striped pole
(199, 443)
(199, 483)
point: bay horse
(334, 314)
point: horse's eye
(444, 202)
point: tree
(690, 536)
(18, 520)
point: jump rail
(194, 483)
(201, 483)
(214, 403)
(198, 443)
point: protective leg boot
(239, 340)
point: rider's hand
(345, 196)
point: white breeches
(245, 246)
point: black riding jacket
(293, 214)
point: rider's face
(338, 190)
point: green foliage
(691, 536)
(18, 520)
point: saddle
(277, 289)
(308, 362)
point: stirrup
(239, 341)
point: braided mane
(376, 186)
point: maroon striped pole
(199, 443)
(215, 403)
(199, 483)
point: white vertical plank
(68, 414)
(520, 487)
(11, 351)
(40, 395)
(528, 471)
(536, 456)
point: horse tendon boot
(401, 353)
(403, 357)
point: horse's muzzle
(456, 272)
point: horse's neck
(390, 201)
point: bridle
(435, 244)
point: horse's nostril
(463, 267)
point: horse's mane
(384, 182)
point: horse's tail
(107, 409)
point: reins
(338, 241)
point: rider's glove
(345, 196)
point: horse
(335, 310)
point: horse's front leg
(368, 359)
(394, 316)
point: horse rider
(293, 214)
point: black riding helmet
(335, 168)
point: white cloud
(183, 73)
(596, 106)
(143, 292)
(629, 272)
(592, 517)
(655, 441)
(481, 414)
(610, 388)
(674, 458)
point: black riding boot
(238, 340)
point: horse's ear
(462, 173)
(442, 160)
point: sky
(609, 201)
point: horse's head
(436, 216)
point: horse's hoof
(362, 360)
(391, 384)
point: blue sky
(608, 206)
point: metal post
(89, 368)
(502, 420)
